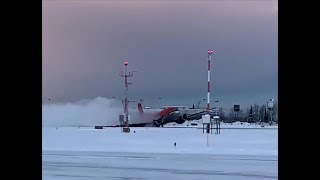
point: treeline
(253, 114)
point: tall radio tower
(208, 96)
(126, 102)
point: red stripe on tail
(140, 109)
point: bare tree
(231, 115)
(275, 111)
(250, 115)
(242, 116)
(262, 111)
(255, 113)
(222, 114)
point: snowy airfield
(88, 153)
(242, 152)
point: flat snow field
(88, 153)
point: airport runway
(71, 165)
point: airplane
(142, 117)
(167, 114)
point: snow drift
(99, 111)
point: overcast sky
(85, 42)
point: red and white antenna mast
(210, 52)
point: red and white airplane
(142, 117)
(158, 116)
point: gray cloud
(85, 44)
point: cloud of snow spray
(99, 111)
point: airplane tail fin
(140, 109)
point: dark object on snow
(126, 129)
(175, 144)
(134, 131)
(98, 127)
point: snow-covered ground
(88, 153)
(105, 165)
(160, 140)
(242, 151)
